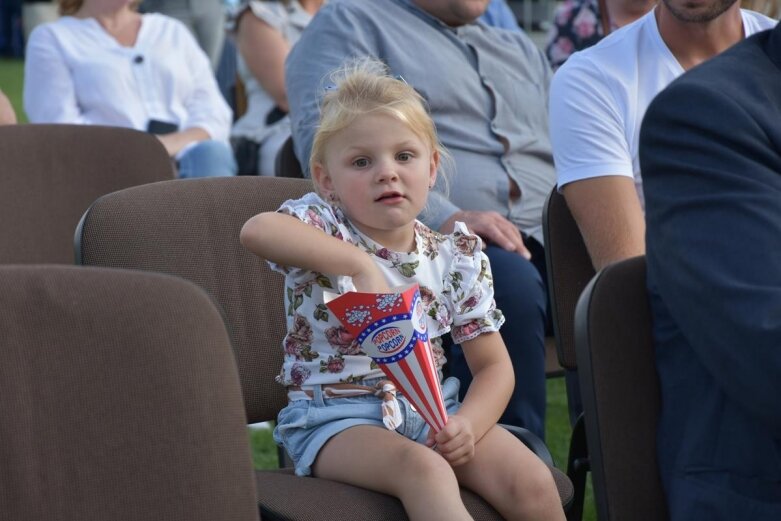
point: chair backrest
(569, 270)
(120, 400)
(50, 174)
(620, 393)
(287, 164)
(190, 228)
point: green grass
(558, 432)
(264, 451)
(11, 81)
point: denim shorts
(304, 426)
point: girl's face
(380, 172)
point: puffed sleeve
(312, 210)
(471, 289)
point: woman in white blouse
(265, 32)
(103, 63)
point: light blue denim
(304, 426)
(208, 159)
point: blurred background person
(204, 18)
(579, 24)
(499, 14)
(714, 281)
(11, 43)
(103, 63)
(264, 32)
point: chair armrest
(535, 444)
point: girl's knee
(535, 492)
(424, 470)
(425, 464)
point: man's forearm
(609, 216)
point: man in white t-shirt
(597, 103)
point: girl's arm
(492, 381)
(287, 241)
(488, 395)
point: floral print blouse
(576, 26)
(456, 288)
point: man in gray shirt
(487, 91)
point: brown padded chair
(50, 174)
(120, 400)
(620, 392)
(569, 270)
(190, 228)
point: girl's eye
(404, 156)
(361, 162)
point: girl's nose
(386, 172)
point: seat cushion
(281, 496)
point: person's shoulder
(688, 105)
(509, 36)
(163, 23)
(167, 30)
(347, 16)
(356, 7)
(755, 22)
(63, 26)
(620, 49)
(612, 63)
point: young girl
(374, 159)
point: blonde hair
(71, 7)
(363, 86)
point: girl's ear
(321, 178)
(433, 167)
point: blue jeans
(304, 426)
(207, 159)
(520, 294)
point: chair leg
(578, 465)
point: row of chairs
(602, 327)
(189, 229)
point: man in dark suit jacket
(711, 162)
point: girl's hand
(456, 442)
(369, 278)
